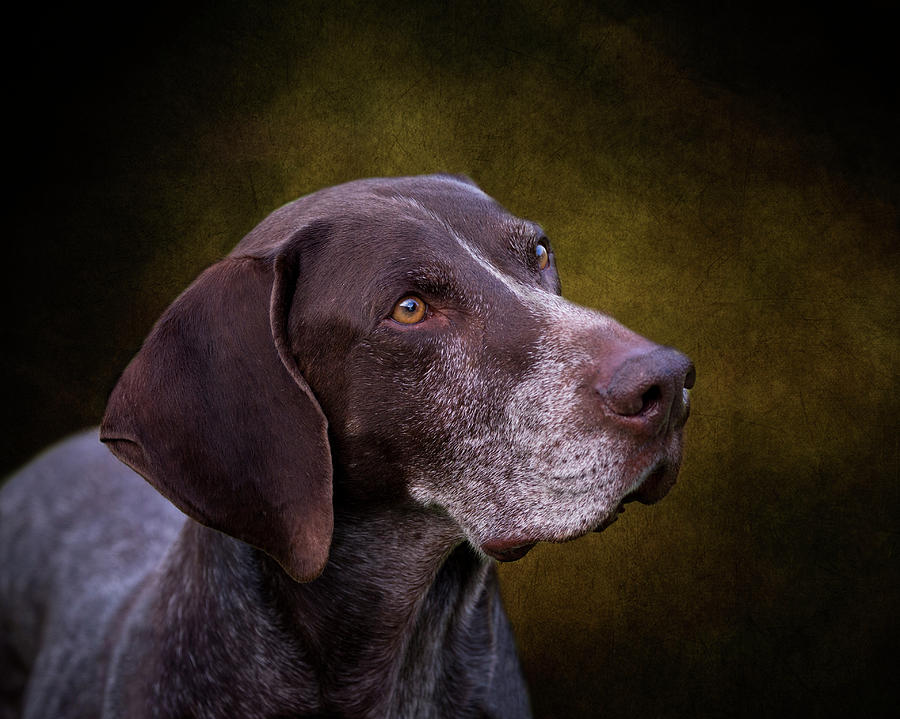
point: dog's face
(429, 325)
(406, 339)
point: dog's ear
(214, 413)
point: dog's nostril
(650, 398)
(690, 377)
(634, 401)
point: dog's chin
(651, 486)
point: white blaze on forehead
(511, 283)
(564, 318)
(537, 300)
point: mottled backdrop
(722, 180)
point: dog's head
(425, 323)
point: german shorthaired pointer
(375, 396)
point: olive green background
(724, 181)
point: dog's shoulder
(73, 519)
(78, 489)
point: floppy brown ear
(215, 415)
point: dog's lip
(611, 518)
(651, 489)
(507, 550)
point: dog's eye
(542, 254)
(409, 310)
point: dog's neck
(399, 592)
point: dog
(375, 397)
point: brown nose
(645, 391)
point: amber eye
(409, 310)
(543, 256)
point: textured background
(724, 181)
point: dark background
(720, 179)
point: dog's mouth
(654, 485)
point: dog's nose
(645, 392)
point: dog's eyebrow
(523, 234)
(435, 280)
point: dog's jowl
(317, 458)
